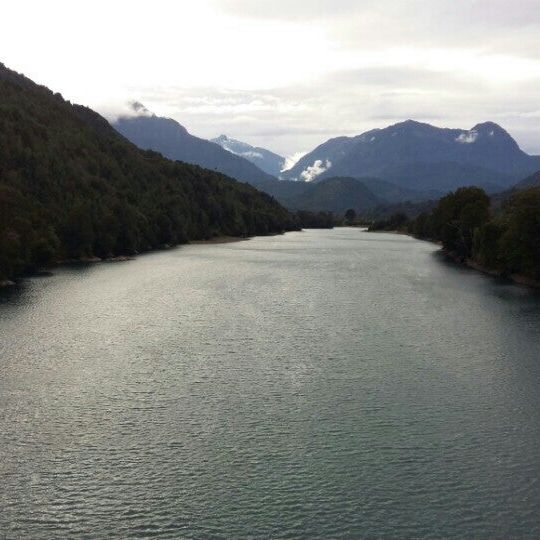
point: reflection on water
(323, 384)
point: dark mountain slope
(332, 195)
(167, 136)
(72, 187)
(439, 178)
(530, 181)
(336, 195)
(340, 194)
(394, 193)
(499, 199)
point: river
(319, 384)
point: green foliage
(395, 222)
(457, 216)
(486, 244)
(519, 242)
(350, 216)
(508, 243)
(315, 220)
(71, 187)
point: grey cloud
(299, 117)
(346, 102)
(488, 25)
(287, 9)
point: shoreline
(516, 279)
(230, 239)
(48, 270)
(218, 240)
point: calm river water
(322, 384)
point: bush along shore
(504, 242)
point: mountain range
(267, 161)
(422, 157)
(406, 162)
(230, 156)
(167, 136)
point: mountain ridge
(173, 140)
(268, 161)
(486, 151)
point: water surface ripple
(323, 384)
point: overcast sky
(288, 74)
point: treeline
(316, 220)
(397, 221)
(506, 240)
(71, 187)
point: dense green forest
(71, 187)
(505, 240)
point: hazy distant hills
(341, 193)
(422, 157)
(167, 136)
(530, 181)
(500, 198)
(332, 195)
(267, 161)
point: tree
(456, 218)
(520, 242)
(350, 216)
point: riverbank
(220, 240)
(6, 283)
(517, 279)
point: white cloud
(310, 173)
(252, 154)
(292, 160)
(468, 137)
(289, 75)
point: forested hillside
(71, 187)
(506, 241)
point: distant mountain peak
(421, 156)
(138, 108)
(485, 126)
(266, 160)
(412, 124)
(166, 135)
(491, 129)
